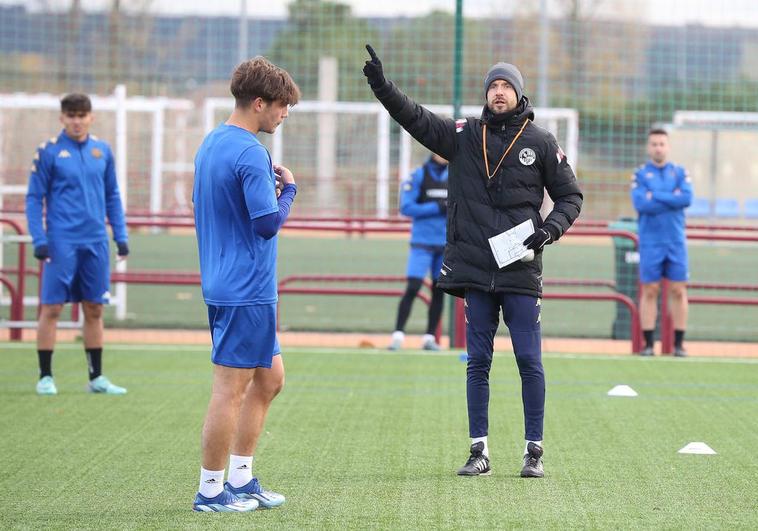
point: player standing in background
(661, 190)
(423, 198)
(500, 166)
(74, 176)
(237, 218)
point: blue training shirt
(234, 184)
(660, 195)
(428, 227)
(77, 183)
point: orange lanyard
(484, 150)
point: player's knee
(92, 311)
(413, 286)
(678, 292)
(51, 311)
(650, 290)
(270, 387)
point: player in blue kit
(423, 198)
(661, 190)
(74, 177)
(237, 218)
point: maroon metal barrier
(283, 287)
(17, 303)
(667, 323)
(16, 333)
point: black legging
(406, 302)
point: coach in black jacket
(500, 165)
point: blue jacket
(77, 182)
(429, 219)
(660, 196)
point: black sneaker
(679, 352)
(533, 462)
(647, 351)
(478, 464)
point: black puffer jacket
(478, 207)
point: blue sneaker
(46, 386)
(254, 491)
(103, 385)
(226, 502)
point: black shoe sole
(532, 474)
(467, 474)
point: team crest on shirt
(96, 153)
(527, 156)
(64, 154)
(459, 125)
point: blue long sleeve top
(660, 195)
(76, 183)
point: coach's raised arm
(434, 132)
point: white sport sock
(398, 335)
(526, 446)
(486, 450)
(240, 470)
(211, 482)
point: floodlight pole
(242, 51)
(456, 324)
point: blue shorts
(663, 261)
(243, 336)
(422, 261)
(76, 272)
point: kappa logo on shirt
(64, 154)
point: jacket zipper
(492, 283)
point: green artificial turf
(369, 439)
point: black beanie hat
(507, 72)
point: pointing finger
(371, 52)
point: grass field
(367, 439)
(182, 306)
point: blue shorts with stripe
(423, 260)
(76, 272)
(243, 336)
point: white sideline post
(383, 165)
(156, 166)
(121, 176)
(326, 152)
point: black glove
(123, 248)
(442, 203)
(538, 239)
(41, 252)
(373, 69)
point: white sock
(211, 482)
(398, 335)
(486, 450)
(526, 446)
(428, 338)
(240, 470)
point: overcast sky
(709, 12)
